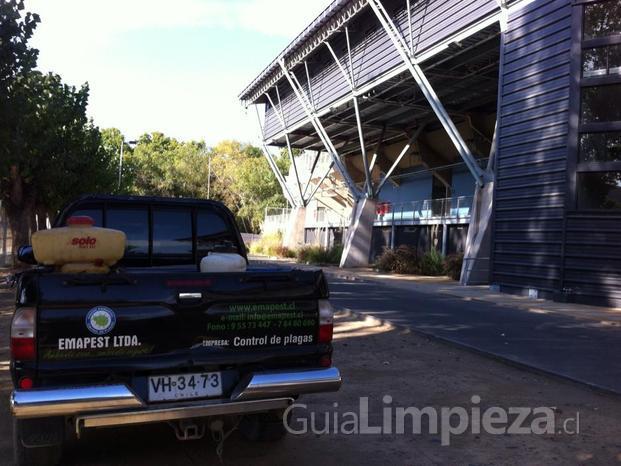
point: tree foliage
(245, 182)
(51, 152)
(160, 165)
(240, 176)
(15, 32)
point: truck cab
(158, 340)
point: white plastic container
(220, 262)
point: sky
(170, 66)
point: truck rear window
(164, 234)
(213, 234)
(172, 233)
(135, 223)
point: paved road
(587, 351)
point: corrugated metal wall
(531, 168)
(372, 52)
(593, 258)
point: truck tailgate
(146, 320)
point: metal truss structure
(423, 91)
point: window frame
(576, 126)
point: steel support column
(320, 182)
(321, 132)
(281, 118)
(312, 172)
(354, 96)
(402, 154)
(380, 142)
(274, 166)
(425, 86)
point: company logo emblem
(100, 320)
(84, 243)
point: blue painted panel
(463, 183)
(410, 189)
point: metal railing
(424, 211)
(275, 219)
(327, 217)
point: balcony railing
(276, 219)
(425, 211)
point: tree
(54, 152)
(162, 166)
(240, 176)
(245, 182)
(15, 56)
(16, 59)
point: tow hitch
(188, 429)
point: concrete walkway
(445, 286)
(571, 341)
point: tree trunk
(41, 218)
(19, 210)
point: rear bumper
(110, 405)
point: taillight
(23, 344)
(326, 321)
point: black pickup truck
(156, 340)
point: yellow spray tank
(79, 247)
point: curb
(497, 357)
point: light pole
(209, 176)
(121, 160)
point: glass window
(95, 214)
(172, 232)
(601, 103)
(601, 61)
(602, 19)
(595, 62)
(213, 234)
(135, 223)
(599, 190)
(600, 147)
(614, 59)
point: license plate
(185, 386)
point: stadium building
(485, 126)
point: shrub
(319, 255)
(303, 254)
(335, 253)
(404, 259)
(284, 252)
(452, 265)
(386, 261)
(269, 245)
(432, 263)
